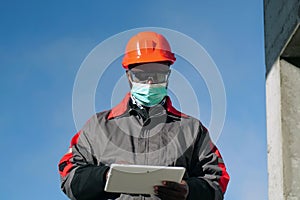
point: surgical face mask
(148, 94)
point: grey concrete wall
(274, 137)
(282, 40)
(283, 126)
(290, 120)
(281, 19)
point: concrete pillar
(274, 136)
(283, 126)
(282, 52)
(290, 112)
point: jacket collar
(123, 106)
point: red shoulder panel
(120, 108)
(173, 110)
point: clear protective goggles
(146, 77)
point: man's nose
(150, 80)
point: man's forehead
(151, 67)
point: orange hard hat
(147, 47)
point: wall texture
(281, 17)
(282, 54)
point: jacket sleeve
(208, 177)
(81, 177)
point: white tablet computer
(140, 179)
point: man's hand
(172, 190)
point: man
(144, 129)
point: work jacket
(131, 134)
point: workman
(144, 129)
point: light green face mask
(149, 94)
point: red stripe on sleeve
(224, 178)
(65, 165)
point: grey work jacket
(159, 135)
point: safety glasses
(146, 77)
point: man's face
(149, 73)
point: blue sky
(43, 44)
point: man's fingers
(175, 186)
(168, 193)
(171, 190)
(166, 190)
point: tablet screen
(140, 179)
